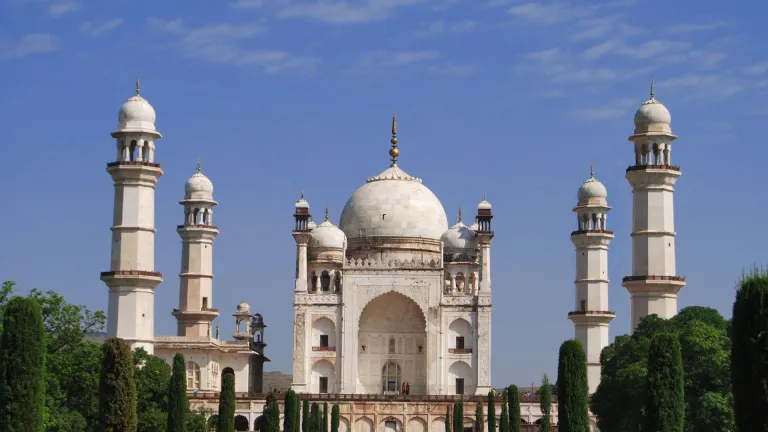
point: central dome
(393, 204)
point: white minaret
(485, 235)
(302, 234)
(591, 317)
(196, 313)
(654, 283)
(132, 278)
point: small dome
(311, 224)
(459, 237)
(136, 115)
(484, 204)
(327, 235)
(243, 307)
(652, 116)
(475, 226)
(198, 187)
(592, 191)
(302, 203)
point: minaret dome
(652, 116)
(592, 191)
(198, 187)
(136, 114)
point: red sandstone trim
(592, 312)
(131, 273)
(654, 277)
(645, 167)
(323, 349)
(133, 163)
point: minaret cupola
(301, 215)
(484, 215)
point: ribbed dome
(393, 204)
(327, 235)
(198, 187)
(652, 116)
(484, 204)
(243, 307)
(459, 236)
(592, 191)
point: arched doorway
(392, 339)
(241, 423)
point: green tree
(117, 390)
(226, 417)
(197, 421)
(545, 403)
(750, 362)
(513, 394)
(152, 376)
(324, 426)
(306, 419)
(178, 405)
(504, 423)
(458, 415)
(335, 418)
(449, 419)
(22, 367)
(314, 423)
(271, 414)
(665, 406)
(491, 410)
(572, 388)
(290, 411)
(296, 412)
(479, 418)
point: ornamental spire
(653, 88)
(326, 212)
(592, 171)
(138, 85)
(198, 165)
(459, 213)
(394, 152)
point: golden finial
(394, 152)
(459, 213)
(326, 212)
(592, 171)
(653, 88)
(138, 85)
(198, 165)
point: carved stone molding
(483, 342)
(356, 263)
(316, 299)
(457, 300)
(298, 350)
(418, 293)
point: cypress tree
(749, 365)
(226, 416)
(271, 414)
(504, 423)
(545, 403)
(572, 388)
(324, 426)
(448, 418)
(314, 423)
(458, 416)
(479, 420)
(665, 403)
(335, 418)
(22, 366)
(117, 390)
(491, 411)
(296, 412)
(305, 417)
(288, 406)
(178, 404)
(513, 395)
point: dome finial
(138, 85)
(653, 87)
(198, 164)
(326, 212)
(592, 171)
(459, 213)
(485, 197)
(394, 152)
(302, 194)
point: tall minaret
(591, 316)
(485, 236)
(132, 278)
(301, 233)
(196, 313)
(654, 283)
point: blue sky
(512, 98)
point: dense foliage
(458, 416)
(750, 360)
(479, 418)
(306, 419)
(572, 388)
(665, 397)
(491, 411)
(226, 417)
(513, 393)
(117, 389)
(178, 405)
(290, 401)
(324, 426)
(545, 403)
(448, 418)
(504, 423)
(705, 343)
(315, 418)
(22, 367)
(335, 418)
(271, 414)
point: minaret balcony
(133, 164)
(592, 231)
(197, 226)
(653, 283)
(460, 350)
(653, 278)
(204, 314)
(136, 278)
(591, 317)
(653, 167)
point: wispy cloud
(443, 27)
(33, 43)
(757, 68)
(247, 4)
(711, 86)
(62, 8)
(343, 12)
(386, 59)
(548, 13)
(693, 28)
(601, 27)
(458, 70)
(219, 43)
(96, 29)
(616, 108)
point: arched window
(337, 282)
(390, 377)
(241, 423)
(193, 375)
(325, 281)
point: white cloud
(604, 26)
(443, 27)
(691, 28)
(454, 69)
(62, 8)
(33, 43)
(343, 12)
(247, 4)
(551, 13)
(653, 48)
(549, 55)
(97, 29)
(218, 43)
(710, 86)
(377, 59)
(757, 68)
(597, 51)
